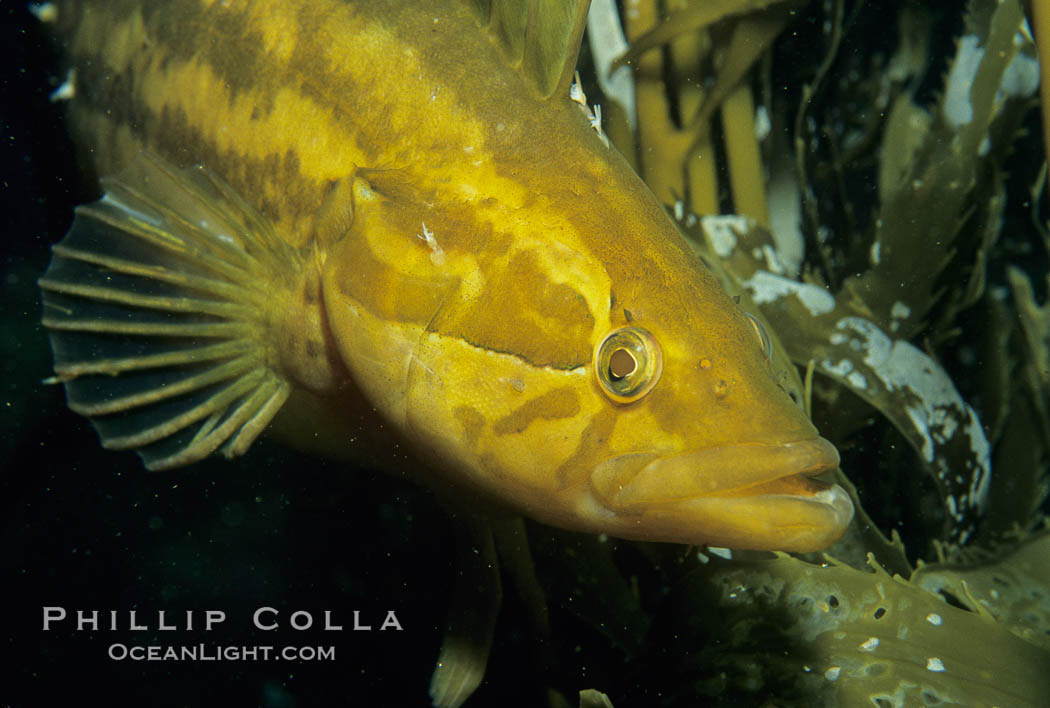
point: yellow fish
(372, 226)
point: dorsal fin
(539, 38)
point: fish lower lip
(640, 480)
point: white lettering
(160, 622)
(133, 626)
(213, 617)
(53, 614)
(391, 621)
(256, 618)
(328, 626)
(82, 620)
(357, 625)
(309, 621)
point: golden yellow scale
(386, 221)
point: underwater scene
(831, 211)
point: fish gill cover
(869, 180)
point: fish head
(703, 443)
(581, 366)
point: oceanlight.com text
(213, 652)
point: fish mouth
(748, 495)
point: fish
(367, 228)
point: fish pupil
(621, 364)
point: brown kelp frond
(690, 68)
(688, 18)
(944, 191)
(898, 379)
(921, 310)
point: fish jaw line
(746, 469)
(743, 496)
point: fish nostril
(705, 363)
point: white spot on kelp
(934, 619)
(958, 110)
(1021, 78)
(875, 256)
(763, 126)
(840, 369)
(937, 410)
(983, 452)
(934, 664)
(722, 232)
(766, 287)
(773, 263)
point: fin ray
(156, 303)
(208, 442)
(219, 401)
(254, 426)
(153, 302)
(114, 227)
(159, 329)
(165, 275)
(112, 367)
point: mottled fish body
(347, 214)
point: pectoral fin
(157, 306)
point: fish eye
(628, 364)
(764, 340)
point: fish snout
(748, 495)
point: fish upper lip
(740, 470)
